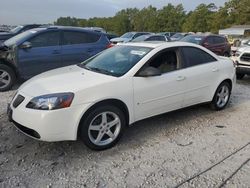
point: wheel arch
(6, 63)
(114, 102)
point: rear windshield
(193, 39)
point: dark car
(216, 43)
(42, 49)
(17, 30)
(151, 38)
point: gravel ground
(159, 152)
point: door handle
(56, 52)
(90, 50)
(180, 78)
(215, 69)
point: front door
(160, 94)
(44, 54)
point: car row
(97, 99)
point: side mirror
(26, 45)
(149, 72)
(205, 44)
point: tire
(100, 133)
(240, 76)
(7, 77)
(227, 54)
(221, 98)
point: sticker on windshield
(32, 31)
(137, 52)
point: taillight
(110, 45)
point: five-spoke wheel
(221, 96)
(102, 127)
(7, 77)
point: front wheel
(221, 96)
(7, 77)
(102, 128)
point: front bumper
(54, 125)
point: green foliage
(205, 18)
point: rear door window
(76, 37)
(193, 56)
(51, 38)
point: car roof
(43, 28)
(157, 44)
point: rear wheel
(7, 77)
(240, 76)
(221, 96)
(103, 127)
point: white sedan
(97, 99)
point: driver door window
(166, 61)
(46, 39)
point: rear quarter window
(194, 56)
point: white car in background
(242, 61)
(98, 98)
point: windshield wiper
(95, 69)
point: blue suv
(38, 50)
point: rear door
(78, 46)
(44, 54)
(202, 72)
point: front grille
(245, 57)
(19, 99)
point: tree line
(171, 18)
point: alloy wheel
(222, 96)
(104, 128)
(5, 78)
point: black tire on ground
(227, 54)
(214, 104)
(94, 115)
(11, 75)
(239, 76)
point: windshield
(193, 39)
(140, 38)
(16, 29)
(127, 35)
(116, 61)
(12, 41)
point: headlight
(51, 101)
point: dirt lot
(158, 152)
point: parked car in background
(178, 36)
(100, 97)
(97, 29)
(127, 37)
(151, 38)
(167, 34)
(42, 49)
(17, 30)
(242, 61)
(216, 43)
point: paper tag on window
(136, 52)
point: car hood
(66, 79)
(119, 39)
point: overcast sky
(15, 12)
